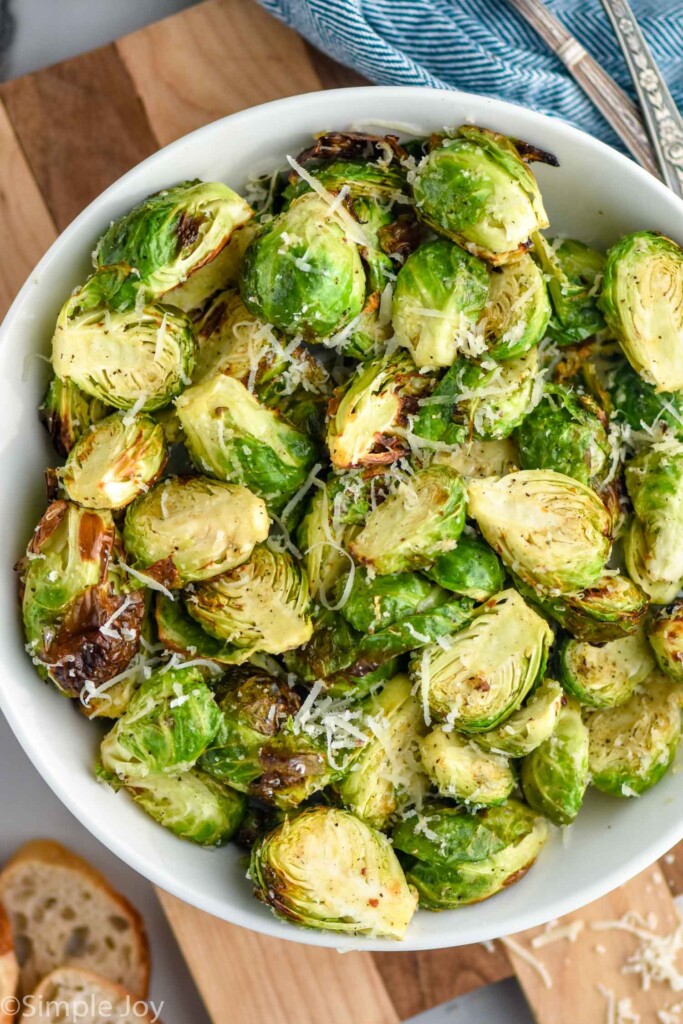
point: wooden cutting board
(65, 134)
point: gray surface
(501, 1003)
(48, 31)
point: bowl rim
(154, 871)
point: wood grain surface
(65, 134)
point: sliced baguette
(9, 970)
(72, 994)
(64, 913)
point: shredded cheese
(351, 226)
(519, 950)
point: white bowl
(596, 195)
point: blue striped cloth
(483, 46)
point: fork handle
(660, 113)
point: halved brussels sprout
(517, 311)
(554, 532)
(472, 569)
(387, 774)
(494, 399)
(220, 273)
(416, 524)
(653, 544)
(527, 728)
(434, 419)
(460, 857)
(327, 869)
(438, 299)
(261, 605)
(462, 770)
(605, 676)
(114, 462)
(232, 436)
(131, 359)
(192, 805)
(624, 394)
(632, 746)
(170, 722)
(476, 189)
(323, 542)
(374, 602)
(303, 273)
(68, 413)
(485, 670)
(367, 414)
(82, 620)
(554, 776)
(642, 299)
(665, 634)
(178, 631)
(172, 234)
(482, 458)
(573, 272)
(565, 432)
(193, 528)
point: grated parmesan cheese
(519, 950)
(351, 226)
(147, 581)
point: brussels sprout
(323, 545)
(221, 272)
(486, 669)
(653, 545)
(553, 531)
(573, 272)
(554, 776)
(527, 728)
(517, 311)
(374, 602)
(605, 676)
(327, 869)
(494, 399)
(439, 295)
(82, 624)
(258, 821)
(476, 189)
(472, 569)
(136, 359)
(115, 462)
(462, 770)
(665, 634)
(632, 400)
(367, 415)
(67, 413)
(632, 746)
(482, 458)
(172, 234)
(565, 432)
(232, 436)
(461, 858)
(362, 179)
(193, 528)
(192, 805)
(178, 631)
(304, 273)
(169, 723)
(434, 417)
(421, 520)
(387, 775)
(261, 605)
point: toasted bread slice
(9, 970)
(64, 913)
(70, 994)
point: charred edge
(532, 154)
(346, 145)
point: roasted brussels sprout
(476, 189)
(487, 668)
(471, 569)
(527, 728)
(374, 602)
(565, 432)
(261, 605)
(114, 462)
(495, 398)
(653, 544)
(481, 458)
(304, 273)
(192, 805)
(322, 538)
(170, 722)
(137, 359)
(193, 528)
(232, 436)
(554, 532)
(172, 234)
(605, 676)
(460, 769)
(517, 311)
(632, 400)
(416, 524)
(554, 776)
(439, 296)
(458, 857)
(632, 746)
(665, 633)
(178, 631)
(68, 413)
(574, 273)
(387, 775)
(220, 273)
(327, 869)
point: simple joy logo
(85, 1008)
